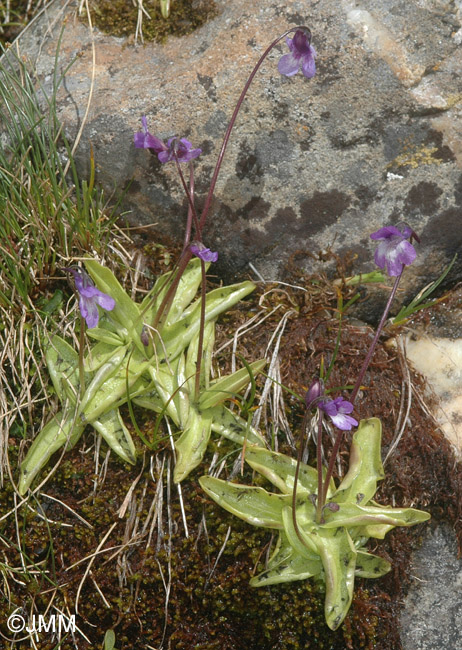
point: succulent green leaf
(191, 445)
(109, 640)
(332, 547)
(178, 335)
(63, 366)
(98, 355)
(371, 566)
(101, 334)
(233, 427)
(104, 372)
(140, 387)
(350, 514)
(206, 362)
(226, 387)
(285, 565)
(154, 297)
(365, 468)
(165, 386)
(280, 470)
(112, 428)
(302, 545)
(110, 394)
(62, 429)
(181, 393)
(253, 504)
(187, 288)
(377, 531)
(338, 557)
(149, 399)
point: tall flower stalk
(394, 252)
(301, 56)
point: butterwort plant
(133, 340)
(322, 528)
(126, 360)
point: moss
(119, 17)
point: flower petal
(152, 142)
(314, 393)
(344, 406)
(380, 254)
(407, 252)
(139, 139)
(89, 311)
(205, 254)
(164, 156)
(301, 42)
(309, 65)
(386, 232)
(289, 64)
(344, 422)
(105, 301)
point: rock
(312, 165)
(440, 361)
(434, 349)
(432, 614)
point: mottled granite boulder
(432, 614)
(374, 138)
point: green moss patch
(119, 17)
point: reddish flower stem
(321, 498)
(357, 386)
(200, 344)
(368, 358)
(208, 200)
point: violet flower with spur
(394, 250)
(179, 147)
(302, 55)
(90, 297)
(198, 249)
(338, 410)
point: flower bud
(314, 392)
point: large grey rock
(374, 138)
(432, 614)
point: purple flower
(313, 394)
(145, 140)
(302, 54)
(338, 410)
(198, 249)
(90, 297)
(394, 251)
(165, 152)
(182, 148)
